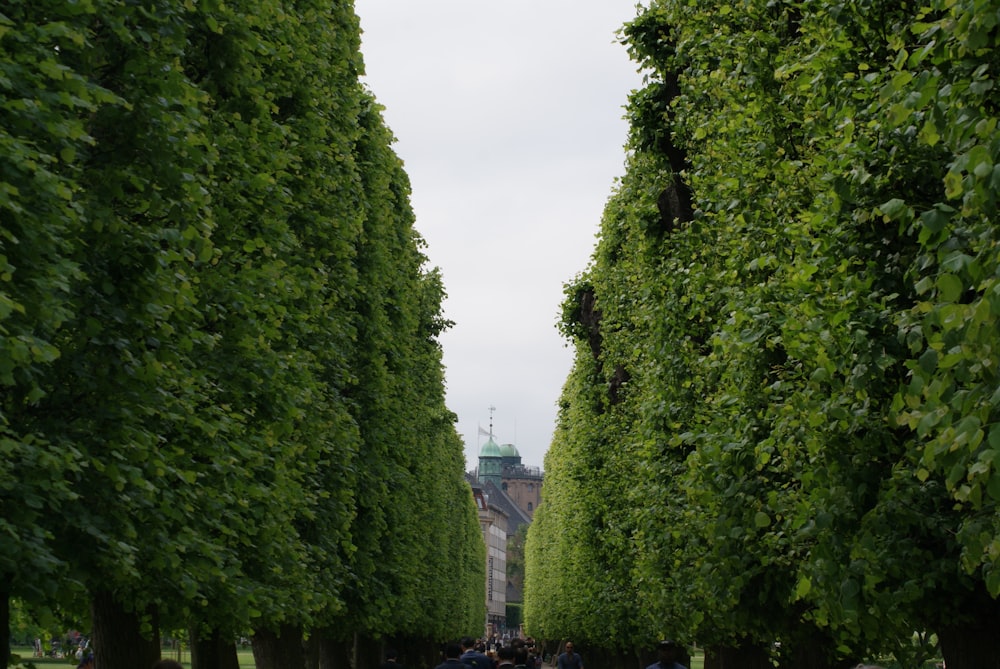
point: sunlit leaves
(217, 333)
(811, 404)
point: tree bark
(214, 651)
(5, 620)
(971, 646)
(281, 650)
(416, 651)
(311, 648)
(117, 635)
(335, 654)
(610, 659)
(367, 651)
(744, 656)
(811, 649)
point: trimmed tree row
(223, 398)
(780, 438)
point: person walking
(471, 657)
(569, 659)
(520, 656)
(391, 660)
(452, 653)
(505, 657)
(669, 652)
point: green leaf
(950, 287)
(894, 209)
(934, 219)
(993, 582)
(929, 133)
(993, 486)
(928, 361)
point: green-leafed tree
(555, 550)
(798, 265)
(128, 391)
(221, 339)
(283, 326)
(940, 90)
(578, 553)
(46, 102)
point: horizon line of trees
(780, 439)
(221, 388)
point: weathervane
(492, 409)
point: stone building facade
(507, 494)
(493, 523)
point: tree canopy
(782, 421)
(223, 396)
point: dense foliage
(223, 398)
(780, 438)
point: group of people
(668, 651)
(471, 653)
(521, 654)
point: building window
(531, 507)
(531, 487)
(503, 486)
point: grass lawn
(245, 656)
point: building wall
(493, 523)
(525, 492)
(496, 569)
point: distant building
(507, 493)
(493, 523)
(500, 466)
(522, 484)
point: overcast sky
(508, 117)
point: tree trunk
(610, 658)
(415, 652)
(5, 620)
(213, 652)
(311, 648)
(117, 635)
(283, 650)
(334, 654)
(971, 646)
(744, 656)
(368, 652)
(810, 649)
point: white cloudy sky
(509, 120)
